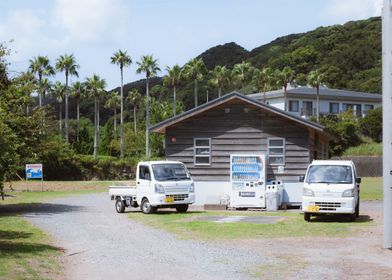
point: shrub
(371, 124)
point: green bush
(345, 128)
(371, 124)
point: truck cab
(331, 187)
(159, 184)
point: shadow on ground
(13, 249)
(37, 209)
(340, 219)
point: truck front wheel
(146, 207)
(307, 217)
(182, 208)
(120, 205)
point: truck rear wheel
(120, 205)
(307, 217)
(182, 208)
(146, 207)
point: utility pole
(387, 119)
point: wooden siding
(237, 132)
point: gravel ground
(101, 244)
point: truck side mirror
(301, 178)
(359, 180)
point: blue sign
(34, 171)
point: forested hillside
(349, 55)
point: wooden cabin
(203, 138)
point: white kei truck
(331, 187)
(159, 184)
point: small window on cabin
(144, 173)
(202, 151)
(276, 151)
(293, 106)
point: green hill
(348, 54)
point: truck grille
(176, 189)
(328, 206)
(178, 197)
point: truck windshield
(334, 174)
(170, 171)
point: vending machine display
(248, 177)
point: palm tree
(96, 88)
(58, 91)
(113, 102)
(263, 80)
(315, 78)
(241, 73)
(78, 91)
(41, 67)
(220, 78)
(134, 98)
(147, 65)
(172, 79)
(122, 59)
(194, 70)
(67, 64)
(287, 76)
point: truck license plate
(169, 199)
(313, 208)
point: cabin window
(276, 151)
(293, 106)
(202, 151)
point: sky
(173, 31)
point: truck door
(143, 182)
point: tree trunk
(78, 120)
(61, 119)
(98, 128)
(285, 97)
(134, 118)
(95, 128)
(195, 93)
(174, 101)
(115, 123)
(147, 121)
(121, 115)
(318, 105)
(66, 108)
(219, 91)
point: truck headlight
(192, 188)
(307, 192)
(348, 193)
(159, 188)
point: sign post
(34, 171)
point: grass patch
(25, 252)
(371, 188)
(292, 225)
(366, 149)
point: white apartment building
(301, 101)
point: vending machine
(248, 176)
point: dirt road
(101, 244)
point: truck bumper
(343, 205)
(163, 200)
